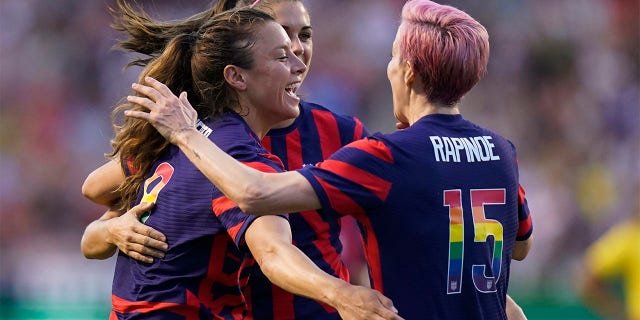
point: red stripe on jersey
(358, 130)
(328, 132)
(266, 143)
(521, 195)
(283, 304)
(233, 231)
(190, 310)
(323, 243)
(524, 226)
(262, 166)
(221, 205)
(339, 200)
(372, 254)
(216, 274)
(380, 187)
(294, 150)
(373, 147)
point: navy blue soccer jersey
(314, 136)
(207, 264)
(441, 207)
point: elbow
(252, 199)
(89, 252)
(268, 269)
(266, 256)
(91, 190)
(87, 189)
(93, 248)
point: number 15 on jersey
(485, 277)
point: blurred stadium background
(563, 85)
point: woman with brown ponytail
(241, 74)
(308, 138)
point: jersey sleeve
(360, 130)
(353, 180)
(232, 218)
(525, 225)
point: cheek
(308, 54)
(390, 73)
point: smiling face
(270, 86)
(294, 18)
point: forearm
(288, 268)
(269, 239)
(254, 191)
(94, 243)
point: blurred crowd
(563, 84)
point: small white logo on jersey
(202, 128)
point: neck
(284, 124)
(260, 128)
(420, 106)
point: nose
(297, 47)
(297, 66)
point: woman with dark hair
(239, 70)
(308, 138)
(440, 201)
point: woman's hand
(134, 238)
(169, 114)
(358, 302)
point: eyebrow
(286, 27)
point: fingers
(154, 90)
(159, 86)
(142, 101)
(142, 253)
(141, 208)
(147, 249)
(386, 302)
(389, 311)
(139, 257)
(138, 114)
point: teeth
(292, 88)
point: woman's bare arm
(114, 231)
(269, 239)
(521, 249)
(101, 184)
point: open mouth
(291, 89)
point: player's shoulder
(230, 133)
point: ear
(409, 74)
(235, 77)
